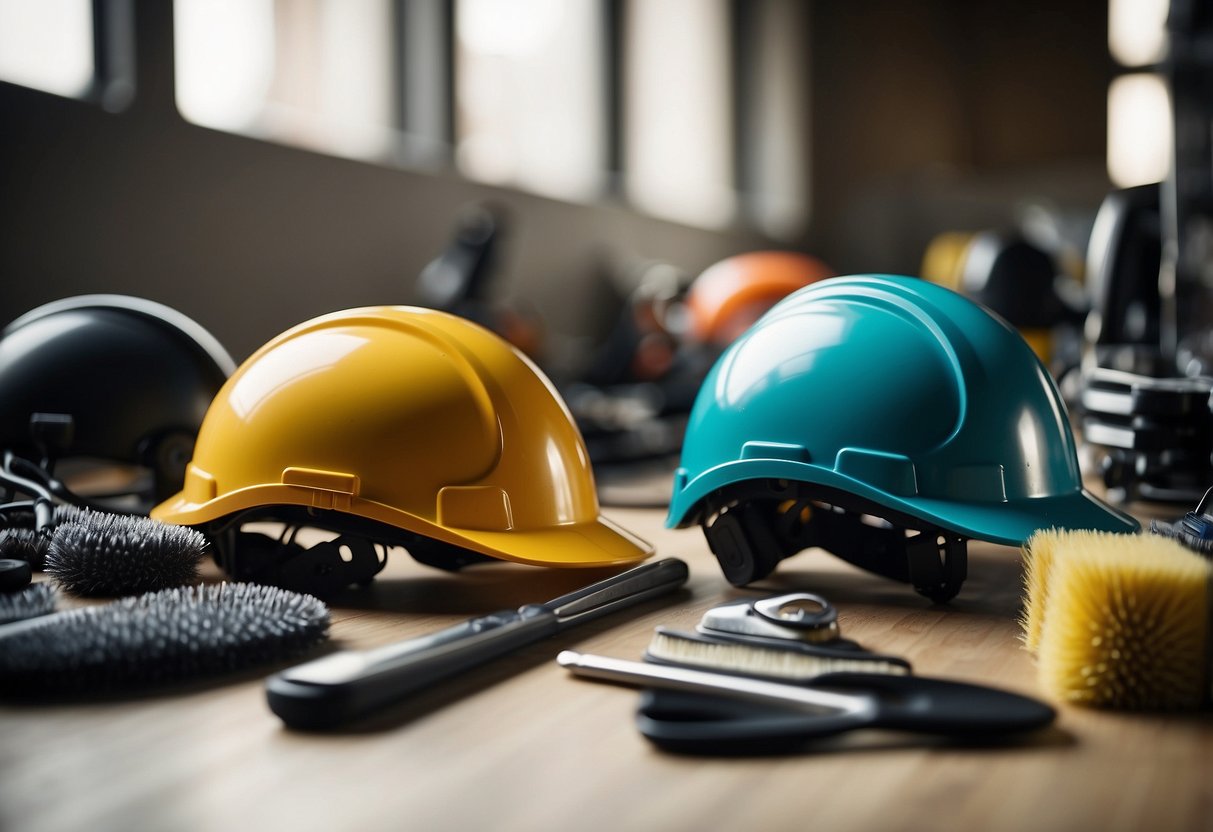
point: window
(312, 73)
(678, 152)
(528, 94)
(1139, 129)
(1140, 132)
(689, 110)
(47, 45)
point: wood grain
(520, 745)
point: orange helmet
(732, 294)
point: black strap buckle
(323, 569)
(753, 527)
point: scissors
(695, 711)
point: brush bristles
(755, 660)
(31, 602)
(25, 544)
(19, 540)
(1037, 561)
(101, 554)
(158, 638)
(1123, 622)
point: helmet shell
(732, 293)
(411, 417)
(127, 370)
(902, 393)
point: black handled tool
(345, 686)
(695, 710)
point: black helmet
(110, 377)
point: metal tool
(797, 617)
(792, 638)
(345, 686)
(717, 712)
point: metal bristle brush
(30, 602)
(155, 639)
(100, 554)
(97, 553)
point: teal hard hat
(887, 397)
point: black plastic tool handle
(346, 686)
(699, 723)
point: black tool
(699, 711)
(343, 687)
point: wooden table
(520, 745)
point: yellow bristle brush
(1119, 621)
(1037, 560)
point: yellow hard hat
(413, 419)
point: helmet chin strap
(753, 525)
(355, 556)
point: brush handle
(347, 686)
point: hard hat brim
(1012, 523)
(597, 543)
(590, 543)
(1008, 522)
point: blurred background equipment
(632, 401)
(1152, 437)
(730, 295)
(460, 280)
(1017, 279)
(1152, 267)
(1124, 256)
(1025, 276)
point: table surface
(521, 745)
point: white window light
(313, 73)
(1139, 130)
(224, 60)
(678, 147)
(529, 92)
(1137, 34)
(47, 45)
